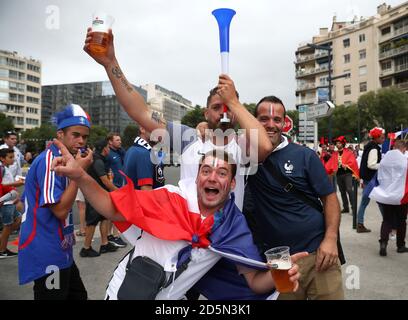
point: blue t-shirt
(139, 167)
(43, 237)
(114, 161)
(281, 218)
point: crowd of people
(238, 195)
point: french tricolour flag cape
(390, 186)
(172, 213)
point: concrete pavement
(366, 274)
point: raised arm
(128, 97)
(262, 143)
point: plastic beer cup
(101, 23)
(279, 260)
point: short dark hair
(100, 145)
(223, 155)
(111, 135)
(9, 133)
(213, 92)
(271, 99)
(5, 151)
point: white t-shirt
(165, 253)
(7, 179)
(15, 168)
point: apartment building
(361, 55)
(171, 105)
(20, 89)
(97, 98)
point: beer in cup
(279, 261)
(101, 23)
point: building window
(386, 65)
(33, 100)
(363, 86)
(16, 86)
(32, 121)
(33, 89)
(347, 103)
(4, 73)
(33, 78)
(4, 96)
(31, 110)
(361, 37)
(347, 58)
(33, 68)
(347, 90)
(362, 70)
(385, 31)
(386, 82)
(4, 84)
(346, 43)
(363, 54)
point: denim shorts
(9, 214)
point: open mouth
(211, 191)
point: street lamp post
(329, 51)
(330, 78)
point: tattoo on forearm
(119, 74)
(156, 116)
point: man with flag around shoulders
(185, 223)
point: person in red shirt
(343, 164)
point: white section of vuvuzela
(225, 62)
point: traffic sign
(288, 124)
(320, 110)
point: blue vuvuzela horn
(224, 17)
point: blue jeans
(361, 210)
(9, 214)
(363, 205)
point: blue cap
(71, 115)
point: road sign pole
(305, 132)
(315, 135)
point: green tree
(97, 133)
(391, 109)
(250, 107)
(129, 135)
(294, 115)
(5, 123)
(37, 138)
(366, 104)
(193, 117)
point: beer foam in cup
(280, 264)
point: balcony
(304, 58)
(306, 101)
(307, 86)
(311, 57)
(394, 52)
(394, 34)
(307, 72)
(402, 86)
(401, 67)
(386, 72)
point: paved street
(379, 277)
